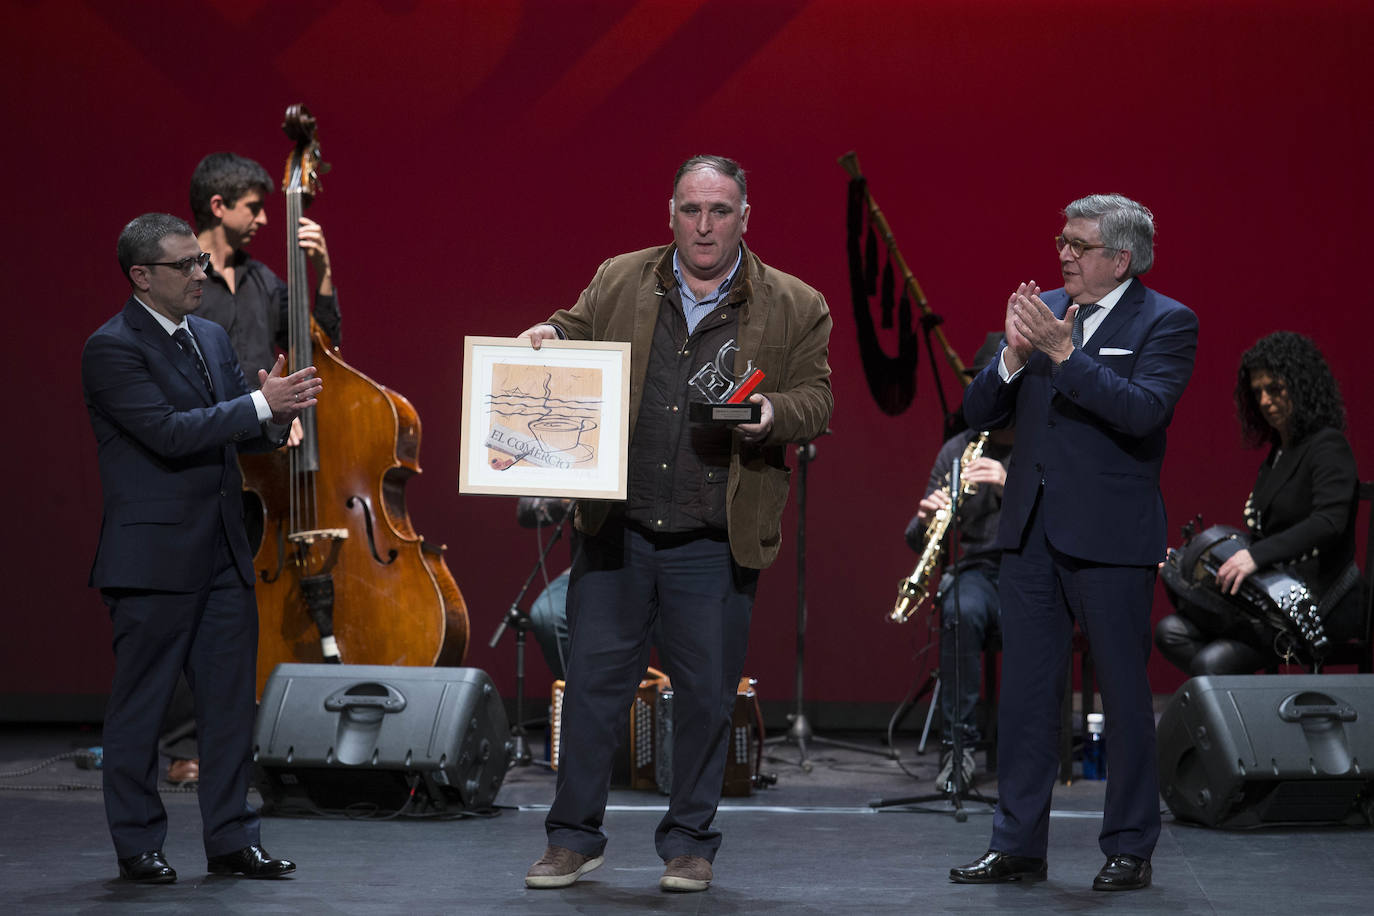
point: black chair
(988, 743)
(1360, 651)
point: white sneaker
(686, 873)
(944, 780)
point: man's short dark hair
(141, 240)
(727, 167)
(230, 176)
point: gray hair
(727, 167)
(1125, 225)
(141, 240)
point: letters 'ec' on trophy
(724, 396)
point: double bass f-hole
(366, 505)
(269, 576)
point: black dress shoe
(1123, 873)
(996, 867)
(251, 862)
(147, 868)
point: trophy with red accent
(725, 396)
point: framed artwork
(546, 422)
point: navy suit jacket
(1093, 430)
(168, 468)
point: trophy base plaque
(724, 414)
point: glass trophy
(723, 396)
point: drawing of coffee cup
(560, 434)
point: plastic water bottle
(1095, 750)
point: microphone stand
(800, 733)
(519, 621)
(958, 791)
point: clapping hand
(288, 395)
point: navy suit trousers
(212, 636)
(1043, 592)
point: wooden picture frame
(548, 422)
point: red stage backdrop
(488, 156)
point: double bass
(342, 576)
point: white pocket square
(1114, 351)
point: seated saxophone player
(549, 611)
(1300, 515)
(971, 581)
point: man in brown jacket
(702, 516)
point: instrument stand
(519, 621)
(931, 688)
(930, 713)
(958, 792)
(800, 733)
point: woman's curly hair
(1296, 360)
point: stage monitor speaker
(339, 737)
(1252, 750)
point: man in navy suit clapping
(1089, 375)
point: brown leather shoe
(183, 772)
(686, 873)
(559, 867)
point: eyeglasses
(1077, 247)
(187, 266)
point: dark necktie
(1082, 315)
(183, 339)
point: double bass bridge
(316, 535)
(329, 539)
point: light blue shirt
(694, 309)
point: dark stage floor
(809, 844)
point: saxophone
(915, 588)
